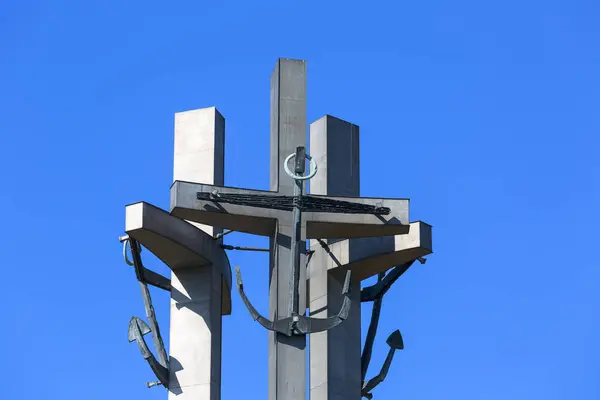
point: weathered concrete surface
(261, 221)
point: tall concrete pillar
(196, 298)
(287, 355)
(334, 355)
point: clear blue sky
(485, 114)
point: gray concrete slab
(177, 243)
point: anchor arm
(371, 293)
(137, 330)
(282, 326)
(396, 343)
(298, 325)
(307, 325)
(256, 316)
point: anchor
(395, 342)
(137, 330)
(296, 323)
(375, 294)
(137, 327)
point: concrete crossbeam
(261, 221)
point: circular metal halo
(313, 168)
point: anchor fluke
(136, 332)
(136, 324)
(395, 340)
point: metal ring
(125, 244)
(313, 168)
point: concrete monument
(351, 238)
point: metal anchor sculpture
(137, 327)
(296, 323)
(395, 342)
(375, 294)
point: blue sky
(485, 114)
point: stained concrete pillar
(196, 299)
(334, 355)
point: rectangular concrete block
(334, 145)
(199, 146)
(199, 150)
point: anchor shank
(295, 256)
(296, 234)
(372, 331)
(156, 337)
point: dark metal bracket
(142, 273)
(298, 324)
(371, 293)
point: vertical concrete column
(334, 355)
(287, 355)
(195, 336)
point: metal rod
(221, 234)
(229, 247)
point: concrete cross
(200, 283)
(335, 355)
(287, 359)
